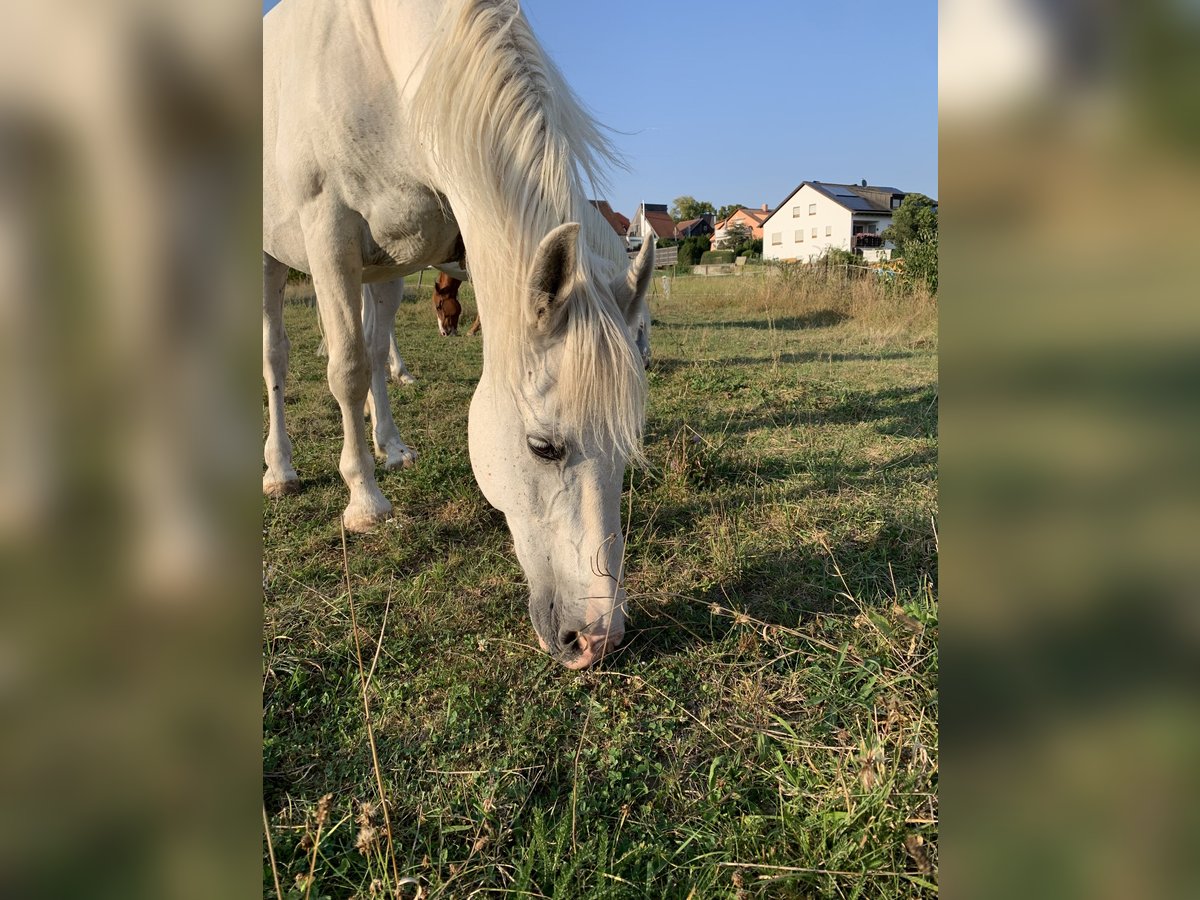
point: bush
(716, 257)
(921, 259)
(749, 249)
(667, 242)
(691, 249)
(837, 257)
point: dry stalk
(271, 853)
(363, 685)
(575, 776)
(322, 814)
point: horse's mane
(501, 126)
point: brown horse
(446, 305)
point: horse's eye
(544, 449)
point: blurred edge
(1069, 142)
(130, 525)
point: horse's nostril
(567, 638)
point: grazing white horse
(390, 126)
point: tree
(688, 207)
(913, 221)
(728, 210)
(735, 235)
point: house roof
(685, 228)
(854, 197)
(756, 216)
(619, 223)
(660, 221)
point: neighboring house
(818, 215)
(752, 219)
(695, 227)
(651, 219)
(619, 223)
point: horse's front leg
(336, 262)
(380, 303)
(280, 478)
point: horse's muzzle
(591, 649)
(582, 650)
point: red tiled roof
(619, 223)
(661, 222)
(756, 216)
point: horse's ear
(554, 266)
(630, 289)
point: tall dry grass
(881, 311)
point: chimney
(864, 182)
(764, 207)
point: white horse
(389, 128)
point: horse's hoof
(405, 459)
(402, 376)
(281, 488)
(361, 522)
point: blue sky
(739, 104)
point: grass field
(769, 727)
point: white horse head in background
(390, 129)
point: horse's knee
(349, 375)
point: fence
(665, 257)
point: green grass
(770, 726)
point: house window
(812, 209)
(828, 230)
(795, 212)
(896, 201)
(814, 232)
(800, 236)
(777, 237)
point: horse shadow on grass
(666, 366)
(821, 318)
(774, 581)
(794, 587)
(910, 411)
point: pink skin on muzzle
(591, 648)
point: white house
(818, 215)
(650, 220)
